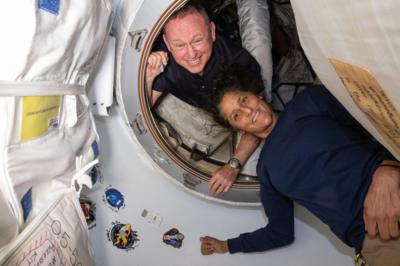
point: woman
(315, 154)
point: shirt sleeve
(277, 233)
(161, 83)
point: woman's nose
(247, 110)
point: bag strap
(38, 88)
(81, 177)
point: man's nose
(191, 51)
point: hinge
(137, 38)
(190, 181)
(138, 126)
(159, 157)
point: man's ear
(166, 41)
(212, 31)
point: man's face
(190, 40)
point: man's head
(189, 36)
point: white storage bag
(48, 140)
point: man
(193, 53)
(189, 62)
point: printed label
(59, 239)
(95, 148)
(43, 250)
(39, 115)
(26, 203)
(52, 6)
(369, 96)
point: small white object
(161, 67)
(101, 89)
(72, 117)
(152, 217)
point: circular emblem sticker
(122, 236)
(114, 199)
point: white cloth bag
(58, 236)
(365, 35)
(49, 50)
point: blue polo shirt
(320, 157)
(197, 90)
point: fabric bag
(48, 140)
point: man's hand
(222, 179)
(155, 65)
(211, 245)
(382, 203)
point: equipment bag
(48, 140)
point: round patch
(173, 238)
(89, 210)
(122, 236)
(114, 198)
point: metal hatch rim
(144, 102)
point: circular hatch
(138, 26)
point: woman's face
(245, 111)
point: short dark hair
(230, 79)
(188, 8)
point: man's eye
(197, 41)
(235, 116)
(244, 99)
(179, 45)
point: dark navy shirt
(195, 89)
(318, 156)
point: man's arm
(382, 203)
(223, 178)
(156, 63)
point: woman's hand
(211, 245)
